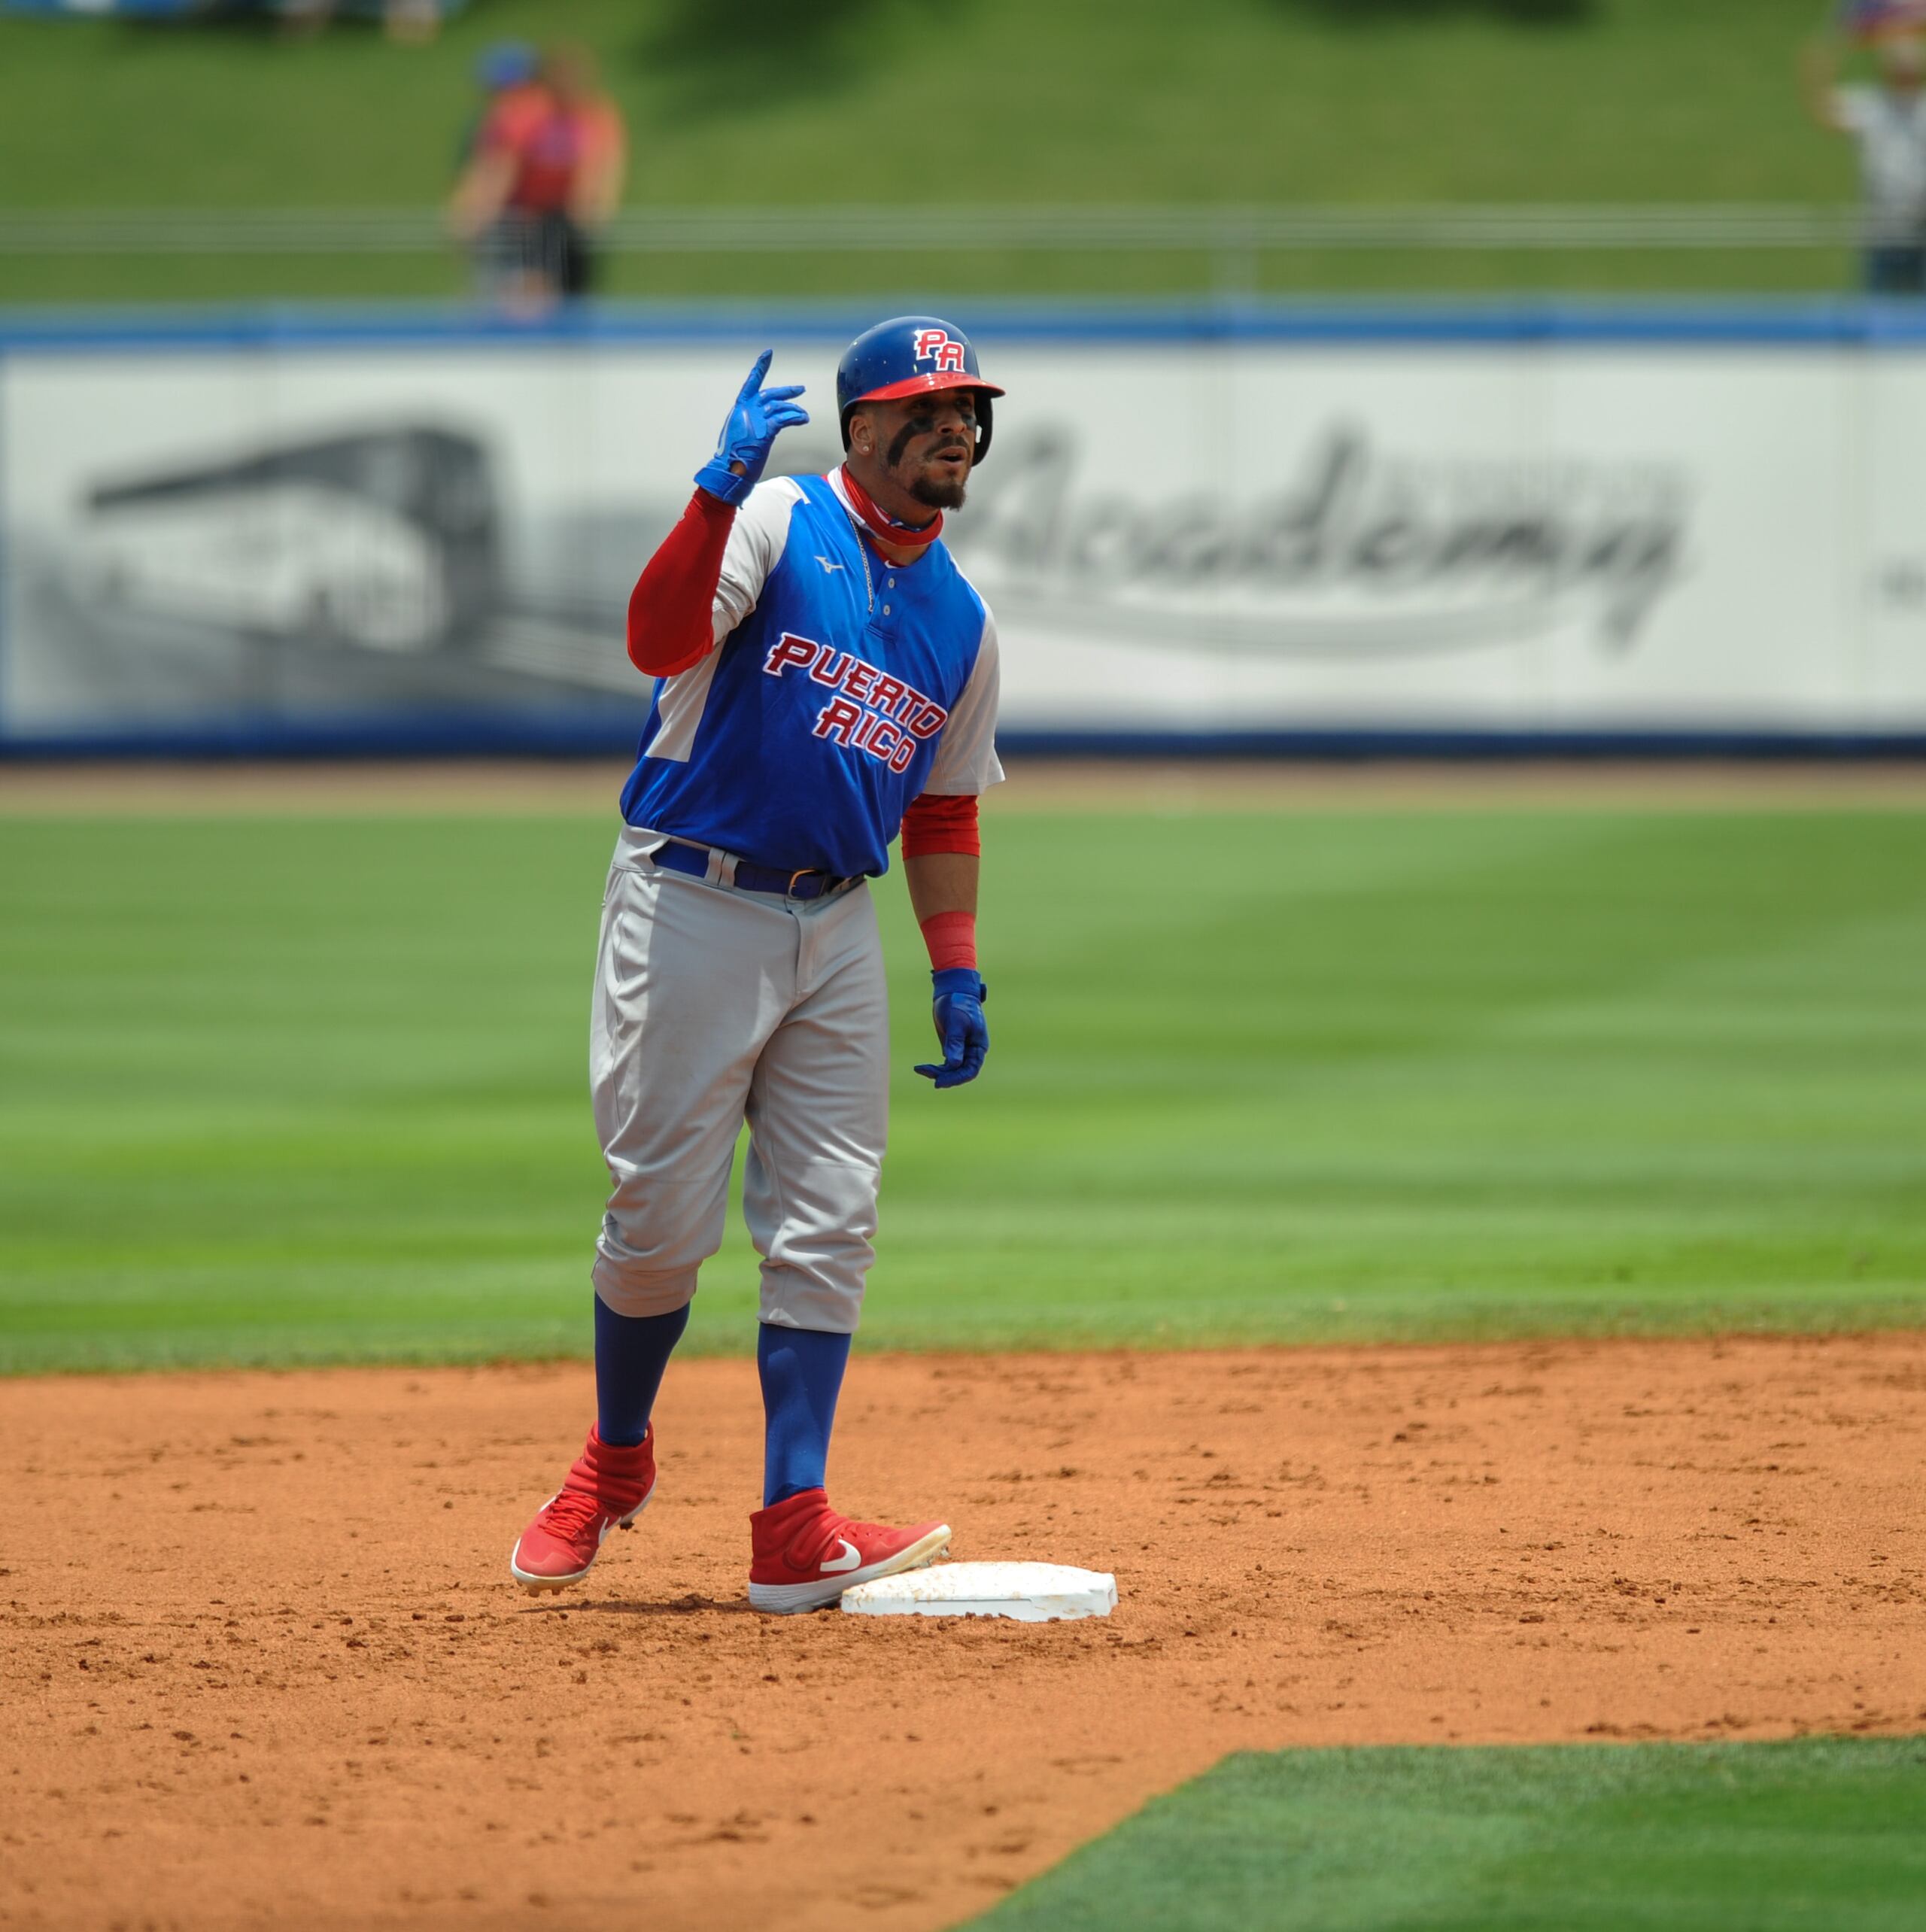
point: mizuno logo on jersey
(875, 712)
(938, 346)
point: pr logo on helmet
(938, 346)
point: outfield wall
(1535, 526)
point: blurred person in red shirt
(499, 71)
(546, 175)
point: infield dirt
(265, 1665)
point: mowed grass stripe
(314, 1088)
(1817, 1832)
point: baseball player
(826, 674)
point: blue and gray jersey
(843, 688)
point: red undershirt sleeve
(672, 622)
(939, 822)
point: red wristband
(952, 939)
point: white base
(1030, 1592)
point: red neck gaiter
(903, 536)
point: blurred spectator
(415, 20)
(502, 68)
(546, 175)
(1887, 119)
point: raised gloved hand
(960, 1026)
(760, 416)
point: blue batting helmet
(908, 356)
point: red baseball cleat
(606, 1486)
(806, 1555)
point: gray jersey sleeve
(755, 546)
(966, 760)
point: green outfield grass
(1082, 101)
(1820, 1835)
(313, 1088)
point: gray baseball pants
(714, 1005)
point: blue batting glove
(760, 416)
(960, 1026)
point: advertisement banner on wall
(303, 540)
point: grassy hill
(1099, 101)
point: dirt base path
(264, 1665)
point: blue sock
(631, 1351)
(802, 1374)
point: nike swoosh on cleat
(851, 1558)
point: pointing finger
(754, 380)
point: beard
(933, 492)
(940, 495)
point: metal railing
(1225, 231)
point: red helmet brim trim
(919, 385)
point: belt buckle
(800, 872)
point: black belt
(694, 860)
